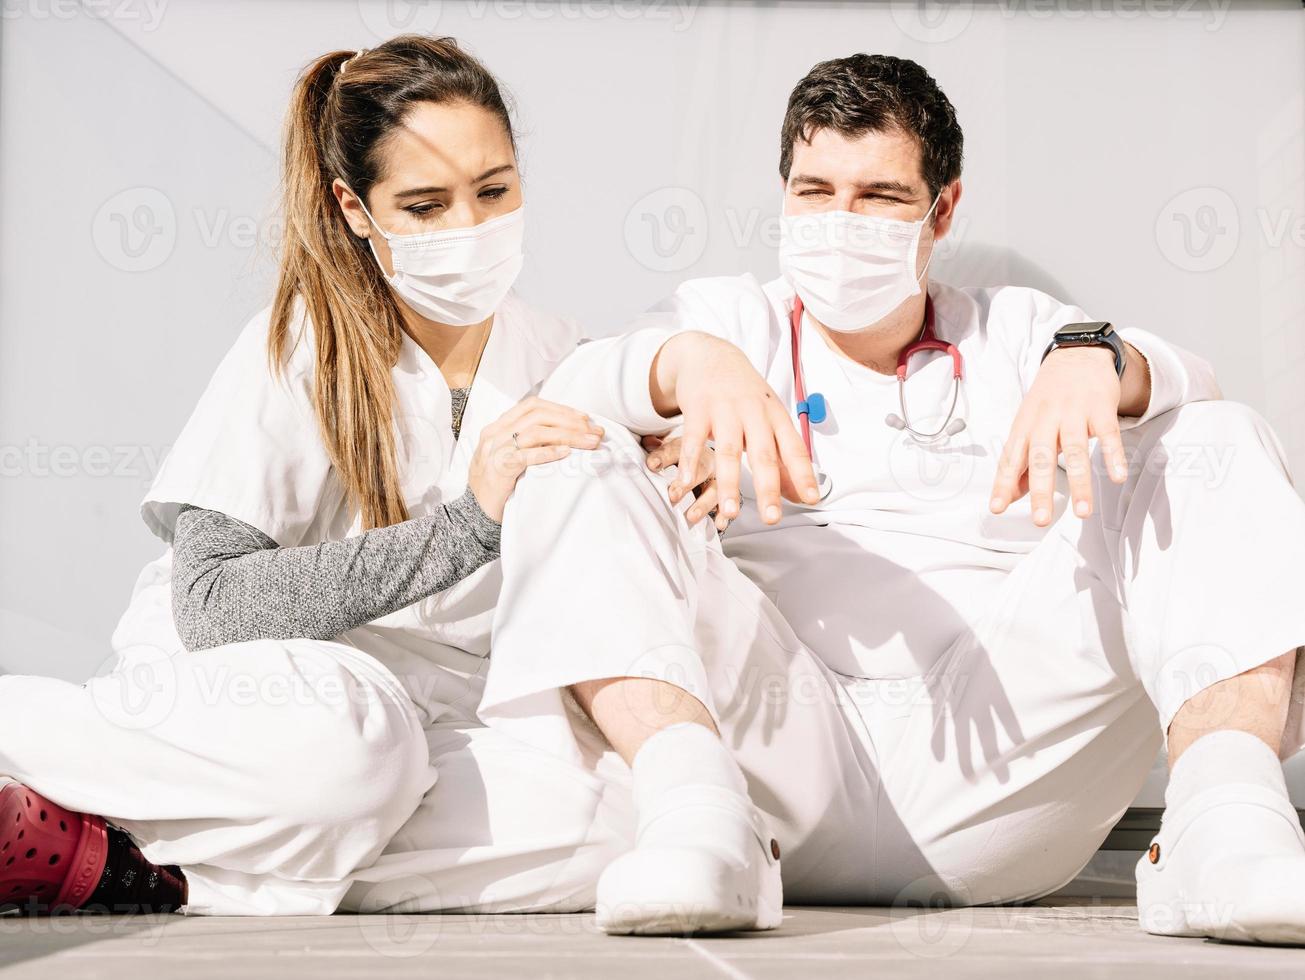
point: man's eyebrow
(889, 186)
(419, 191)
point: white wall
(138, 171)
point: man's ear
(943, 214)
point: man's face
(876, 174)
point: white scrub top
(252, 450)
(904, 553)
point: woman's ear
(948, 198)
(351, 208)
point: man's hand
(723, 399)
(665, 453)
(1075, 396)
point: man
(922, 684)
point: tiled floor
(1087, 938)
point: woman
(333, 507)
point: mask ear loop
(363, 204)
(934, 247)
(394, 253)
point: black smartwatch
(1090, 335)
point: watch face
(1082, 333)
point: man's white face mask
(851, 270)
(457, 276)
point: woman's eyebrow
(492, 172)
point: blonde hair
(338, 121)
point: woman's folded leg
(289, 763)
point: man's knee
(1205, 440)
(1208, 423)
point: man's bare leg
(630, 710)
(1255, 702)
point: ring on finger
(515, 443)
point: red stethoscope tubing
(928, 341)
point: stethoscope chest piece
(824, 483)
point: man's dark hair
(876, 93)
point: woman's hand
(723, 399)
(531, 432)
(664, 453)
(1075, 396)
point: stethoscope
(814, 407)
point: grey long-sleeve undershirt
(232, 583)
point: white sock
(687, 754)
(1222, 759)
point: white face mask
(851, 270)
(457, 276)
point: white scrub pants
(294, 777)
(994, 776)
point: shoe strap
(1173, 826)
(700, 797)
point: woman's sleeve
(252, 448)
(232, 583)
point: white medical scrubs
(269, 771)
(929, 701)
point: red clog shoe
(51, 859)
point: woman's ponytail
(356, 325)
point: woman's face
(447, 166)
